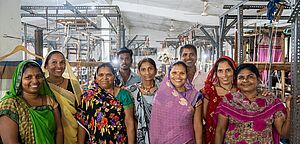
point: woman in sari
(28, 112)
(248, 117)
(176, 115)
(106, 111)
(143, 94)
(66, 88)
(219, 82)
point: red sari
(214, 99)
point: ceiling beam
(255, 17)
(105, 7)
(76, 11)
(234, 8)
(66, 15)
(251, 6)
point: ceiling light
(171, 28)
(204, 14)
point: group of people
(46, 104)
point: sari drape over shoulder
(35, 124)
(172, 114)
(67, 101)
(251, 121)
(143, 105)
(210, 93)
(102, 115)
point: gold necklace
(147, 90)
(58, 84)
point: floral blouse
(251, 121)
(102, 116)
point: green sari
(36, 124)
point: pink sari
(172, 114)
(263, 53)
(251, 122)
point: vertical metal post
(217, 38)
(270, 58)
(295, 109)
(223, 23)
(78, 50)
(119, 32)
(38, 42)
(88, 47)
(240, 33)
(56, 19)
(25, 38)
(47, 20)
(123, 35)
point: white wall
(10, 26)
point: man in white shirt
(188, 54)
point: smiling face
(147, 71)
(178, 76)
(189, 57)
(247, 81)
(225, 73)
(32, 80)
(105, 77)
(56, 65)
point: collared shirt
(199, 79)
(133, 78)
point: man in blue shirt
(124, 73)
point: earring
(259, 87)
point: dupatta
(42, 118)
(67, 101)
(172, 113)
(214, 99)
(253, 117)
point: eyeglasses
(246, 77)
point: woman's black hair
(31, 65)
(149, 60)
(179, 63)
(109, 65)
(250, 67)
(222, 60)
(51, 54)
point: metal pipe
(233, 8)
(47, 24)
(25, 38)
(38, 44)
(103, 7)
(270, 58)
(251, 7)
(123, 35)
(240, 34)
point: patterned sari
(35, 124)
(172, 114)
(251, 121)
(210, 93)
(143, 105)
(67, 101)
(102, 115)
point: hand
(266, 92)
(298, 99)
(288, 102)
